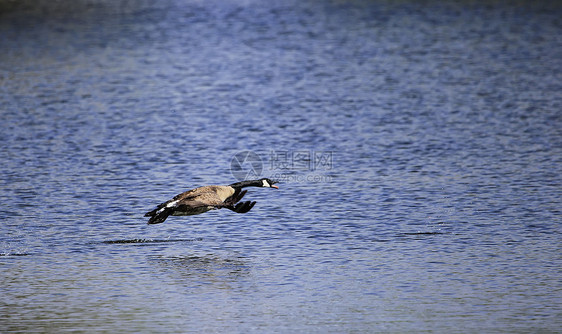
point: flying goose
(203, 199)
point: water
(433, 206)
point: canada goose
(203, 199)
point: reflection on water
(208, 269)
(439, 208)
(148, 241)
(14, 254)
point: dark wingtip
(154, 220)
(244, 207)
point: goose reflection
(195, 270)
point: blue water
(419, 148)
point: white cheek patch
(265, 184)
(172, 204)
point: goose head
(262, 183)
(268, 183)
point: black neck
(249, 183)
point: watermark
(283, 165)
(246, 165)
(297, 178)
(301, 160)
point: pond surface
(419, 148)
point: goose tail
(158, 216)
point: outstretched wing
(191, 204)
(243, 207)
(233, 202)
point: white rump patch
(172, 204)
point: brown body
(203, 199)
